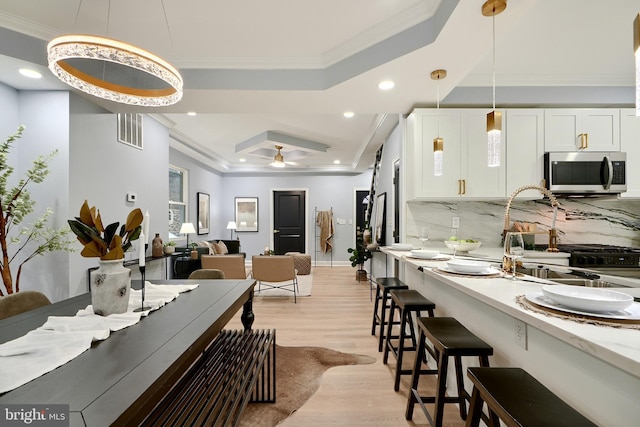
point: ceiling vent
(130, 129)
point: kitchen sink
(590, 280)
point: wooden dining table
(118, 381)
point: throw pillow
(208, 245)
(223, 248)
(219, 248)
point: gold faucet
(553, 234)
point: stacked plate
(587, 299)
(401, 246)
(469, 267)
(425, 253)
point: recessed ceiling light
(242, 160)
(348, 114)
(336, 162)
(191, 113)
(32, 74)
(386, 84)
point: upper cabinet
(465, 171)
(525, 149)
(629, 137)
(594, 129)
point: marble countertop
(619, 347)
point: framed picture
(246, 214)
(381, 219)
(203, 213)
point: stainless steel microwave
(585, 172)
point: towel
(63, 338)
(324, 219)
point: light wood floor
(338, 315)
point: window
(178, 199)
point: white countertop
(619, 347)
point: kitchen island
(594, 368)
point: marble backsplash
(579, 220)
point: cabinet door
(629, 143)
(602, 125)
(525, 149)
(561, 129)
(479, 179)
(427, 125)
(564, 129)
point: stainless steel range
(614, 260)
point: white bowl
(401, 246)
(424, 253)
(587, 299)
(463, 247)
(468, 266)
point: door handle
(609, 165)
(464, 186)
(459, 186)
(276, 231)
(584, 140)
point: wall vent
(130, 129)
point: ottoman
(301, 262)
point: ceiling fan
(278, 159)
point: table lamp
(231, 225)
(187, 228)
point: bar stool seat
(407, 301)
(519, 400)
(449, 339)
(383, 286)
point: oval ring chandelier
(64, 50)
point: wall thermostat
(131, 197)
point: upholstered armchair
(276, 271)
(232, 265)
(17, 303)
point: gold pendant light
(494, 118)
(278, 159)
(438, 142)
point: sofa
(183, 264)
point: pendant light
(438, 142)
(278, 159)
(636, 50)
(494, 118)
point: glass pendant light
(494, 118)
(636, 50)
(438, 142)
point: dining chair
(206, 273)
(275, 272)
(232, 265)
(20, 302)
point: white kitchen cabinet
(524, 137)
(630, 143)
(465, 171)
(593, 129)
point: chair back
(206, 273)
(275, 268)
(232, 265)
(20, 302)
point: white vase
(110, 287)
(168, 250)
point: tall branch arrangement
(16, 241)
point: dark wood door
(288, 221)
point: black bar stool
(519, 400)
(407, 301)
(383, 286)
(449, 339)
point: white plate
(468, 266)
(463, 247)
(587, 299)
(630, 313)
(401, 246)
(488, 272)
(424, 253)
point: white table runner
(63, 338)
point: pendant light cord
(166, 21)
(438, 105)
(493, 60)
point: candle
(145, 227)
(141, 255)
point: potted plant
(359, 255)
(194, 251)
(111, 282)
(169, 247)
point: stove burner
(601, 256)
(598, 248)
